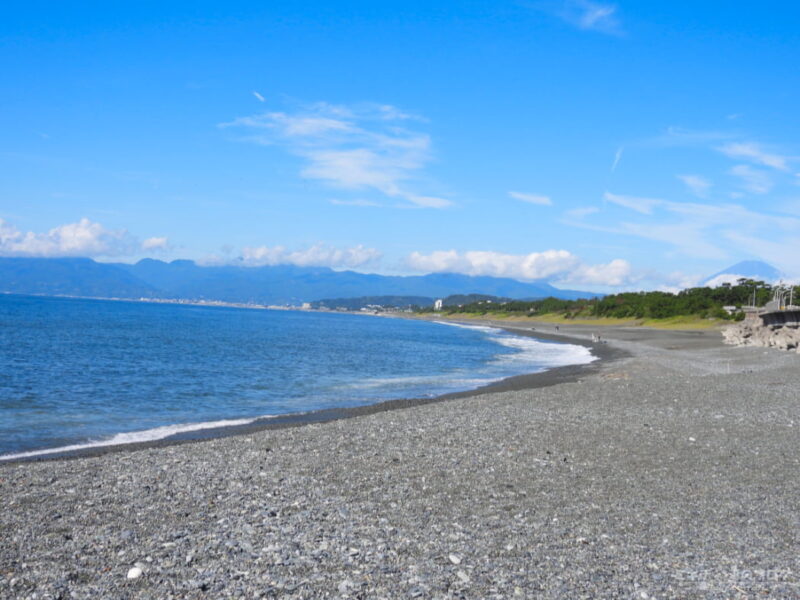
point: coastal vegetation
(687, 306)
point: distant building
(437, 304)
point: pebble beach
(669, 468)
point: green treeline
(702, 302)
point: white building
(437, 304)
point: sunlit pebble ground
(671, 474)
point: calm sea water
(93, 372)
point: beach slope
(669, 472)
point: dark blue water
(76, 371)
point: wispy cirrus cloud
(640, 205)
(353, 202)
(532, 198)
(781, 251)
(581, 212)
(697, 230)
(755, 181)
(366, 147)
(83, 238)
(765, 167)
(676, 136)
(617, 158)
(585, 14)
(699, 186)
(754, 153)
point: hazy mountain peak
(750, 269)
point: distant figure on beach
(595, 338)
(556, 327)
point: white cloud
(615, 273)
(559, 265)
(677, 280)
(259, 97)
(354, 202)
(84, 238)
(754, 153)
(318, 255)
(687, 236)
(677, 137)
(713, 231)
(587, 15)
(754, 181)
(582, 212)
(536, 265)
(698, 185)
(617, 158)
(640, 205)
(532, 198)
(156, 243)
(781, 251)
(360, 148)
(428, 201)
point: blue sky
(598, 145)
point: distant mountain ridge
(750, 269)
(280, 284)
(70, 277)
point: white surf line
(133, 437)
(544, 354)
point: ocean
(77, 373)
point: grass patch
(682, 322)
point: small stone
(344, 586)
(134, 573)
(455, 559)
(463, 576)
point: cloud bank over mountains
(560, 266)
(318, 255)
(84, 238)
(90, 239)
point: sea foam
(135, 437)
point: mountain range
(277, 285)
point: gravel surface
(671, 473)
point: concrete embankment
(754, 333)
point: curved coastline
(234, 427)
(663, 472)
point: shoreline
(547, 377)
(670, 472)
